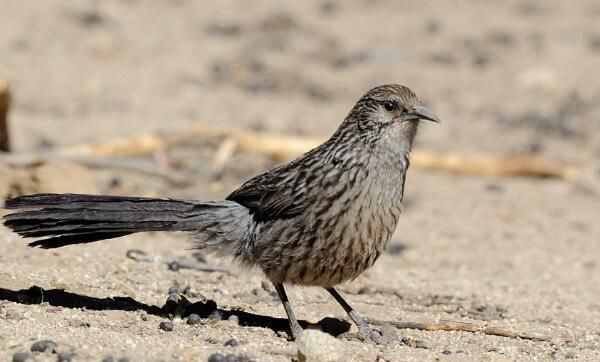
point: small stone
(446, 352)
(316, 346)
(233, 318)
(123, 359)
(43, 346)
(176, 289)
(194, 319)
(232, 343)
(138, 255)
(171, 304)
(216, 315)
(108, 359)
(21, 356)
(65, 356)
(166, 326)
(216, 357)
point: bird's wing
(278, 193)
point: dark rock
(166, 326)
(21, 356)
(43, 346)
(138, 255)
(194, 319)
(171, 304)
(232, 343)
(233, 318)
(108, 359)
(216, 315)
(216, 357)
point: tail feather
(74, 218)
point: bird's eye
(390, 106)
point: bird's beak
(420, 112)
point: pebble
(65, 356)
(216, 357)
(316, 346)
(166, 326)
(233, 318)
(216, 315)
(43, 346)
(171, 304)
(194, 319)
(232, 343)
(21, 356)
(138, 255)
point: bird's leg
(294, 325)
(363, 327)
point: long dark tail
(64, 219)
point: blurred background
(179, 98)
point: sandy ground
(505, 76)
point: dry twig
(283, 148)
(453, 325)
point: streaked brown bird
(319, 220)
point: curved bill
(421, 112)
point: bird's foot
(297, 332)
(369, 334)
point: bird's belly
(337, 247)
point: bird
(319, 220)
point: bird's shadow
(62, 298)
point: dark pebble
(232, 343)
(65, 356)
(215, 315)
(43, 346)
(171, 304)
(108, 359)
(21, 356)
(138, 255)
(216, 357)
(446, 352)
(123, 359)
(174, 266)
(194, 319)
(166, 326)
(176, 289)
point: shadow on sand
(61, 298)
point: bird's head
(389, 113)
